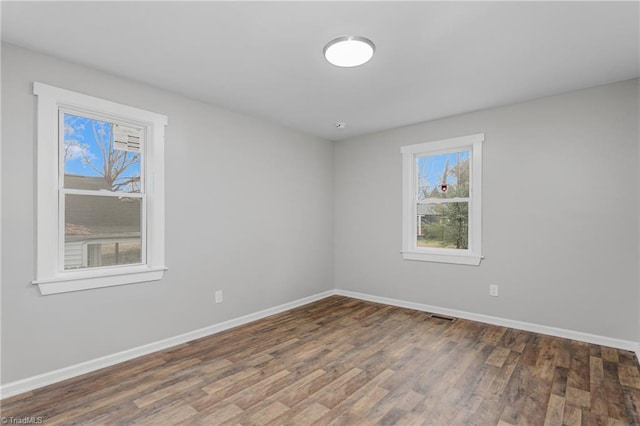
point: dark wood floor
(345, 361)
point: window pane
(101, 231)
(100, 155)
(443, 176)
(443, 225)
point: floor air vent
(442, 317)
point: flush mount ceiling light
(349, 51)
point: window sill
(85, 280)
(460, 259)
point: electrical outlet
(218, 296)
(493, 290)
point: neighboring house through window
(442, 200)
(100, 192)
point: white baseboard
(520, 325)
(25, 385)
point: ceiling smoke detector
(349, 51)
(341, 125)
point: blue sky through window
(87, 142)
(432, 168)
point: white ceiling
(433, 59)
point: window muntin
(441, 200)
(100, 222)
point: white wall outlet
(218, 296)
(493, 290)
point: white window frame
(410, 251)
(50, 275)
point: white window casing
(410, 251)
(50, 275)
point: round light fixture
(349, 51)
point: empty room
(320, 213)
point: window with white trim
(442, 210)
(100, 194)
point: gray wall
(560, 214)
(249, 210)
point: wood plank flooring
(342, 361)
